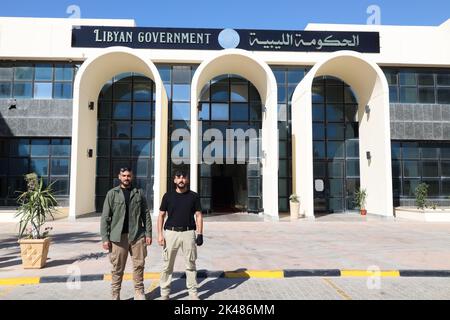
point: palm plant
(360, 198)
(35, 205)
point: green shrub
(421, 194)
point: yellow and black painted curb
(241, 274)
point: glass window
(318, 94)
(103, 148)
(407, 78)
(40, 148)
(254, 94)
(60, 167)
(239, 93)
(219, 111)
(425, 79)
(181, 74)
(18, 166)
(336, 169)
(39, 166)
(352, 148)
(219, 92)
(335, 131)
(411, 169)
(318, 112)
(335, 149)
(43, 90)
(142, 91)
(24, 72)
(203, 113)
(430, 169)
(121, 129)
(255, 111)
(282, 112)
(6, 72)
(443, 79)
(295, 76)
(445, 167)
(391, 77)
(121, 110)
(23, 90)
(352, 168)
(122, 90)
(282, 95)
(121, 148)
(350, 96)
(318, 131)
(5, 89)
(396, 169)
(142, 110)
(43, 72)
(61, 147)
(141, 148)
(396, 150)
(181, 111)
(411, 151)
(426, 95)
(430, 152)
(408, 94)
(239, 112)
(319, 169)
(63, 72)
(280, 76)
(409, 187)
(164, 72)
(282, 148)
(141, 167)
(181, 92)
(60, 186)
(142, 129)
(319, 150)
(335, 94)
(433, 187)
(336, 187)
(443, 95)
(62, 90)
(335, 112)
(393, 94)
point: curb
(240, 274)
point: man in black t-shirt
(184, 217)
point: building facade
(331, 109)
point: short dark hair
(123, 169)
(179, 173)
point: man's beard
(181, 185)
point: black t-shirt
(126, 194)
(181, 208)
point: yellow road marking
(341, 292)
(19, 281)
(129, 276)
(367, 274)
(271, 274)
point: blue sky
(273, 14)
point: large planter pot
(295, 210)
(34, 252)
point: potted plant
(360, 200)
(36, 204)
(294, 206)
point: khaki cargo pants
(186, 241)
(118, 257)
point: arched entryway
(244, 64)
(371, 89)
(125, 134)
(335, 145)
(90, 79)
(230, 112)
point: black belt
(179, 229)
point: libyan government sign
(217, 39)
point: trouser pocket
(165, 254)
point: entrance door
(229, 188)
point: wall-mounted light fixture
(12, 104)
(90, 153)
(91, 105)
(367, 109)
(368, 155)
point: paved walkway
(334, 242)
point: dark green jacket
(140, 221)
